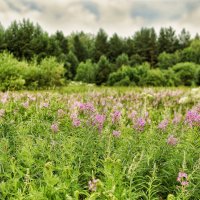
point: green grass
(37, 162)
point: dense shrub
(167, 60)
(11, 72)
(154, 77)
(16, 74)
(186, 73)
(86, 72)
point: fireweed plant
(100, 144)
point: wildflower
(4, 98)
(76, 122)
(54, 128)
(2, 112)
(193, 118)
(60, 112)
(163, 124)
(184, 183)
(183, 178)
(172, 140)
(140, 124)
(99, 121)
(177, 118)
(44, 105)
(93, 185)
(31, 98)
(132, 115)
(116, 116)
(116, 133)
(25, 104)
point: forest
(32, 58)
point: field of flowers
(104, 144)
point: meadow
(100, 143)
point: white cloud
(121, 16)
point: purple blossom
(193, 118)
(44, 105)
(92, 184)
(25, 104)
(116, 133)
(116, 115)
(2, 112)
(76, 122)
(183, 178)
(61, 113)
(177, 118)
(140, 124)
(163, 124)
(54, 128)
(99, 121)
(172, 140)
(86, 107)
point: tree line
(145, 58)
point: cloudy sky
(121, 16)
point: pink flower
(93, 185)
(61, 113)
(2, 112)
(172, 140)
(116, 133)
(182, 175)
(177, 119)
(76, 122)
(163, 124)
(99, 121)
(183, 178)
(54, 128)
(116, 116)
(193, 118)
(184, 183)
(44, 105)
(140, 124)
(25, 104)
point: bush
(135, 75)
(154, 77)
(11, 72)
(16, 75)
(51, 73)
(86, 72)
(167, 60)
(186, 73)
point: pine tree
(103, 70)
(100, 45)
(167, 40)
(79, 49)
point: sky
(114, 16)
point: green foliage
(166, 60)
(81, 162)
(167, 40)
(15, 75)
(86, 72)
(192, 53)
(122, 60)
(186, 73)
(103, 70)
(115, 48)
(154, 77)
(28, 41)
(80, 49)
(145, 44)
(101, 45)
(71, 64)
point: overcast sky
(121, 16)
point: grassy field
(100, 143)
